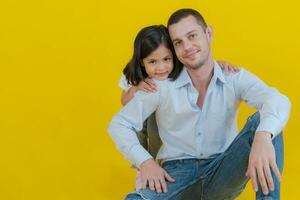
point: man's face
(191, 42)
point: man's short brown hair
(185, 12)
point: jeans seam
(202, 192)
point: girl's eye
(152, 62)
(168, 59)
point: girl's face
(159, 64)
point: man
(196, 115)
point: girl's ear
(142, 63)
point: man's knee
(145, 194)
(133, 197)
(253, 121)
(248, 131)
(136, 196)
(252, 124)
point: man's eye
(177, 43)
(192, 36)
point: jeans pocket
(170, 165)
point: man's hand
(154, 176)
(227, 67)
(261, 160)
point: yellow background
(60, 65)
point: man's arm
(274, 109)
(128, 121)
(123, 129)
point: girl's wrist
(135, 89)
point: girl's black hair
(147, 41)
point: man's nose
(186, 45)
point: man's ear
(209, 33)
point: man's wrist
(146, 162)
(265, 134)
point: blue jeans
(218, 178)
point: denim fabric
(185, 172)
(219, 178)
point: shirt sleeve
(123, 83)
(128, 121)
(274, 107)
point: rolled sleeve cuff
(269, 124)
(138, 155)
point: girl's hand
(227, 67)
(147, 85)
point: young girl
(153, 58)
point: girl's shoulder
(123, 83)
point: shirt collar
(218, 73)
(184, 77)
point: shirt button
(199, 133)
(201, 154)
